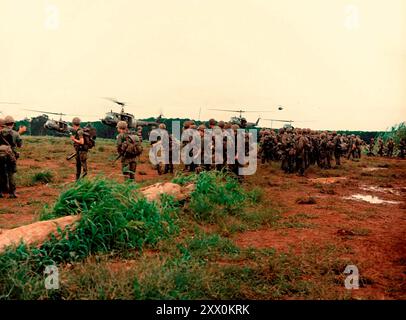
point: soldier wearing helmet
(10, 140)
(81, 149)
(128, 148)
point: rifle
(71, 156)
(118, 157)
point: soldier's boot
(13, 196)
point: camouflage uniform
(337, 148)
(8, 169)
(380, 147)
(390, 147)
(371, 147)
(402, 148)
(81, 155)
(128, 162)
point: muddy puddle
(380, 189)
(370, 169)
(370, 199)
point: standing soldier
(337, 147)
(4, 157)
(390, 147)
(402, 148)
(80, 147)
(11, 139)
(371, 147)
(128, 148)
(380, 147)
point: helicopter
(60, 125)
(112, 118)
(242, 121)
(288, 123)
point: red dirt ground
(375, 233)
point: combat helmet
(122, 125)
(9, 120)
(76, 121)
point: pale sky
(339, 63)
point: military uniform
(8, 168)
(390, 147)
(380, 147)
(402, 148)
(81, 154)
(128, 161)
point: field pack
(7, 154)
(132, 146)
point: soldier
(390, 146)
(380, 147)
(323, 148)
(352, 148)
(4, 155)
(128, 148)
(169, 165)
(371, 147)
(301, 144)
(337, 147)
(402, 148)
(266, 146)
(80, 147)
(11, 139)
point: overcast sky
(339, 63)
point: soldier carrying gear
(380, 147)
(402, 148)
(128, 148)
(390, 147)
(10, 140)
(81, 148)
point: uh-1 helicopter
(60, 126)
(242, 121)
(112, 118)
(287, 123)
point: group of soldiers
(297, 148)
(388, 148)
(199, 161)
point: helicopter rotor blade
(3, 102)
(47, 112)
(278, 120)
(241, 111)
(116, 101)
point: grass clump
(42, 177)
(216, 194)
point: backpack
(89, 136)
(132, 146)
(6, 152)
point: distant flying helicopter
(112, 118)
(242, 121)
(287, 123)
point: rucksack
(132, 146)
(89, 137)
(6, 152)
